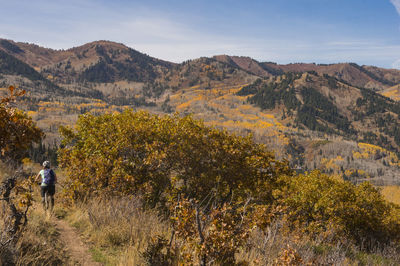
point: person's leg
(51, 203)
(47, 200)
(52, 191)
(43, 194)
(44, 203)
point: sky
(283, 31)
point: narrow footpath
(77, 250)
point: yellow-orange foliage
(391, 193)
(17, 130)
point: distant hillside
(12, 66)
(323, 103)
(342, 118)
(100, 61)
(392, 92)
(359, 76)
(107, 62)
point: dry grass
(273, 247)
(118, 229)
(40, 243)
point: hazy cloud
(396, 4)
(396, 64)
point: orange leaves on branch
(211, 235)
(13, 95)
(17, 130)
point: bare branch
(200, 230)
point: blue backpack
(49, 177)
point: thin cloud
(396, 64)
(396, 4)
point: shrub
(17, 130)
(317, 203)
(157, 156)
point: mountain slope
(100, 61)
(318, 116)
(10, 65)
(105, 61)
(359, 76)
(392, 92)
(323, 103)
(354, 74)
(245, 63)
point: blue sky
(283, 31)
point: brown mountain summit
(360, 76)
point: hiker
(47, 185)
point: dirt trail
(77, 250)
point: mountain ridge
(81, 57)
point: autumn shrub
(177, 163)
(163, 156)
(17, 133)
(213, 235)
(317, 203)
(17, 130)
(215, 189)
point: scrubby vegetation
(198, 194)
(40, 242)
(17, 132)
(215, 193)
(150, 154)
(169, 190)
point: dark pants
(49, 189)
(47, 193)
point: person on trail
(47, 186)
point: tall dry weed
(120, 227)
(275, 246)
(40, 243)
